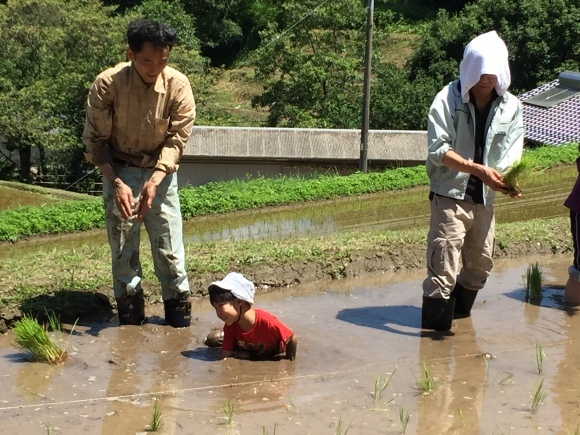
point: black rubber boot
(464, 300)
(437, 313)
(178, 312)
(131, 309)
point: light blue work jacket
(451, 126)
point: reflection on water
(543, 197)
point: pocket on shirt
(160, 130)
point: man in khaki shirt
(139, 116)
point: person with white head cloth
(475, 133)
(248, 333)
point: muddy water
(543, 197)
(350, 332)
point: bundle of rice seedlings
(513, 176)
(533, 284)
(34, 340)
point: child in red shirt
(249, 333)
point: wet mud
(351, 332)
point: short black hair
(218, 294)
(158, 34)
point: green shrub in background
(235, 195)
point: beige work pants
(459, 246)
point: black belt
(126, 164)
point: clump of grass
(537, 398)
(533, 284)
(426, 383)
(380, 386)
(34, 339)
(404, 419)
(539, 357)
(156, 419)
(228, 410)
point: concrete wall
(224, 153)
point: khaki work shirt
(128, 121)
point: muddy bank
(99, 304)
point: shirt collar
(136, 82)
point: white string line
(295, 24)
(172, 392)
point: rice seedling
(266, 432)
(518, 172)
(539, 357)
(460, 412)
(537, 398)
(533, 284)
(426, 383)
(228, 410)
(576, 431)
(507, 378)
(49, 430)
(404, 419)
(290, 406)
(339, 428)
(34, 339)
(381, 385)
(156, 419)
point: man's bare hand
(146, 199)
(492, 178)
(148, 194)
(123, 198)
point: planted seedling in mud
(380, 386)
(404, 419)
(339, 428)
(507, 378)
(265, 431)
(533, 284)
(539, 357)
(537, 398)
(228, 410)
(426, 382)
(34, 339)
(156, 419)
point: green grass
(238, 195)
(35, 340)
(28, 275)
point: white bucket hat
(240, 287)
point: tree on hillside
(51, 50)
(228, 29)
(543, 37)
(312, 75)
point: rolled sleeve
(98, 123)
(182, 117)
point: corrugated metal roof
(555, 125)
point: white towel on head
(485, 54)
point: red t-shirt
(267, 337)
